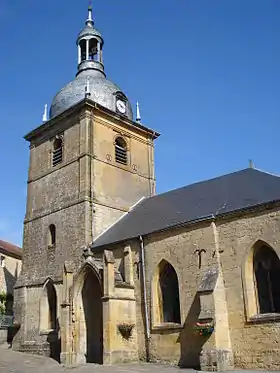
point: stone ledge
(117, 297)
(264, 318)
(46, 332)
(167, 326)
(124, 285)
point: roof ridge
(266, 172)
(9, 243)
(203, 181)
(11, 249)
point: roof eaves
(211, 217)
(247, 209)
(15, 255)
(178, 225)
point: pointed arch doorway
(89, 320)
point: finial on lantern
(138, 116)
(87, 92)
(45, 115)
(89, 21)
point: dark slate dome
(101, 90)
(87, 31)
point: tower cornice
(77, 110)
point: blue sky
(206, 73)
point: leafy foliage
(3, 301)
(204, 328)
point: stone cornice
(76, 159)
(40, 132)
(67, 205)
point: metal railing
(6, 321)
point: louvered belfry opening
(57, 152)
(120, 151)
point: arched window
(57, 152)
(169, 294)
(48, 308)
(93, 50)
(52, 235)
(121, 151)
(267, 279)
(83, 48)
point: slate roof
(225, 194)
(10, 249)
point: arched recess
(88, 310)
(165, 295)
(52, 235)
(48, 307)
(261, 278)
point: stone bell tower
(90, 162)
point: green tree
(3, 301)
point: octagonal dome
(89, 31)
(102, 91)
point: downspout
(147, 325)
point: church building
(114, 273)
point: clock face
(121, 106)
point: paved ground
(16, 362)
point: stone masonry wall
(173, 343)
(117, 187)
(255, 345)
(81, 196)
(178, 247)
(32, 339)
(56, 195)
(42, 261)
